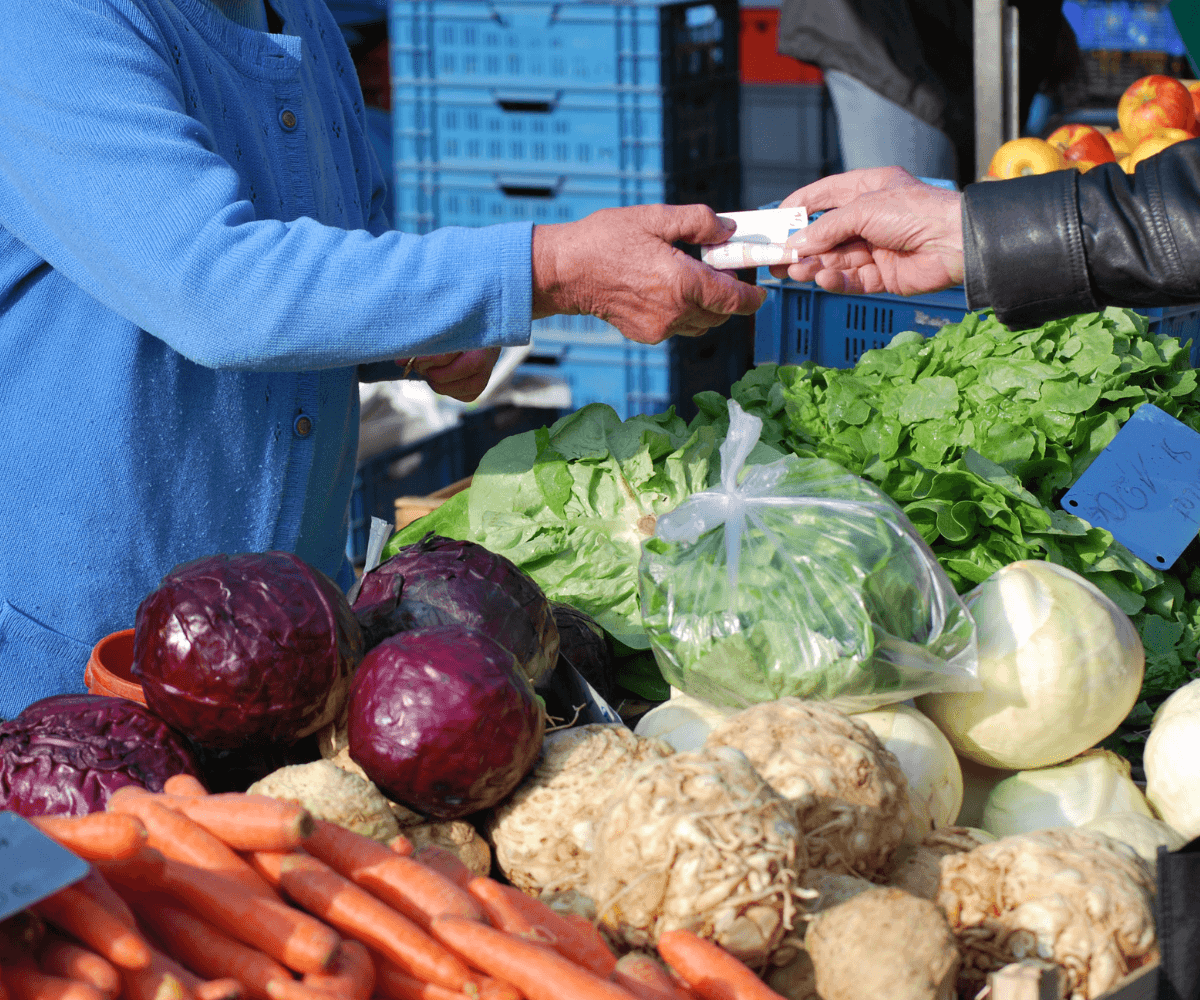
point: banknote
(759, 239)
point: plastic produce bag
(798, 578)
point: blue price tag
(32, 866)
(1144, 487)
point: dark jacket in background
(918, 54)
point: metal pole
(1012, 73)
(989, 81)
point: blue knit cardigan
(194, 273)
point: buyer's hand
(884, 231)
(462, 375)
(619, 264)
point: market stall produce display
(428, 830)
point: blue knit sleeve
(145, 160)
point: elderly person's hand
(619, 264)
(461, 375)
(884, 231)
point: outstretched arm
(619, 264)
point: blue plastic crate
(1181, 322)
(631, 381)
(415, 469)
(581, 131)
(429, 198)
(516, 44)
(800, 322)
(601, 366)
(1123, 26)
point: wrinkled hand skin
(883, 231)
(619, 264)
(462, 375)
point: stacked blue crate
(526, 110)
(522, 109)
(1121, 26)
(1121, 41)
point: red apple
(1065, 135)
(1085, 146)
(1194, 90)
(1089, 151)
(1152, 103)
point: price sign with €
(1144, 487)
(32, 866)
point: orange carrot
(406, 885)
(497, 989)
(400, 844)
(96, 835)
(68, 960)
(708, 970)
(23, 980)
(294, 990)
(510, 910)
(397, 985)
(646, 978)
(183, 839)
(297, 940)
(446, 862)
(205, 949)
(157, 981)
(225, 988)
(246, 822)
(588, 929)
(184, 784)
(219, 989)
(324, 893)
(74, 911)
(538, 972)
(97, 888)
(351, 975)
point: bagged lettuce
(798, 578)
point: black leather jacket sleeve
(1039, 248)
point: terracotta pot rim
(100, 680)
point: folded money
(759, 240)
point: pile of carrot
(243, 897)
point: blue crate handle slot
(530, 187)
(537, 102)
